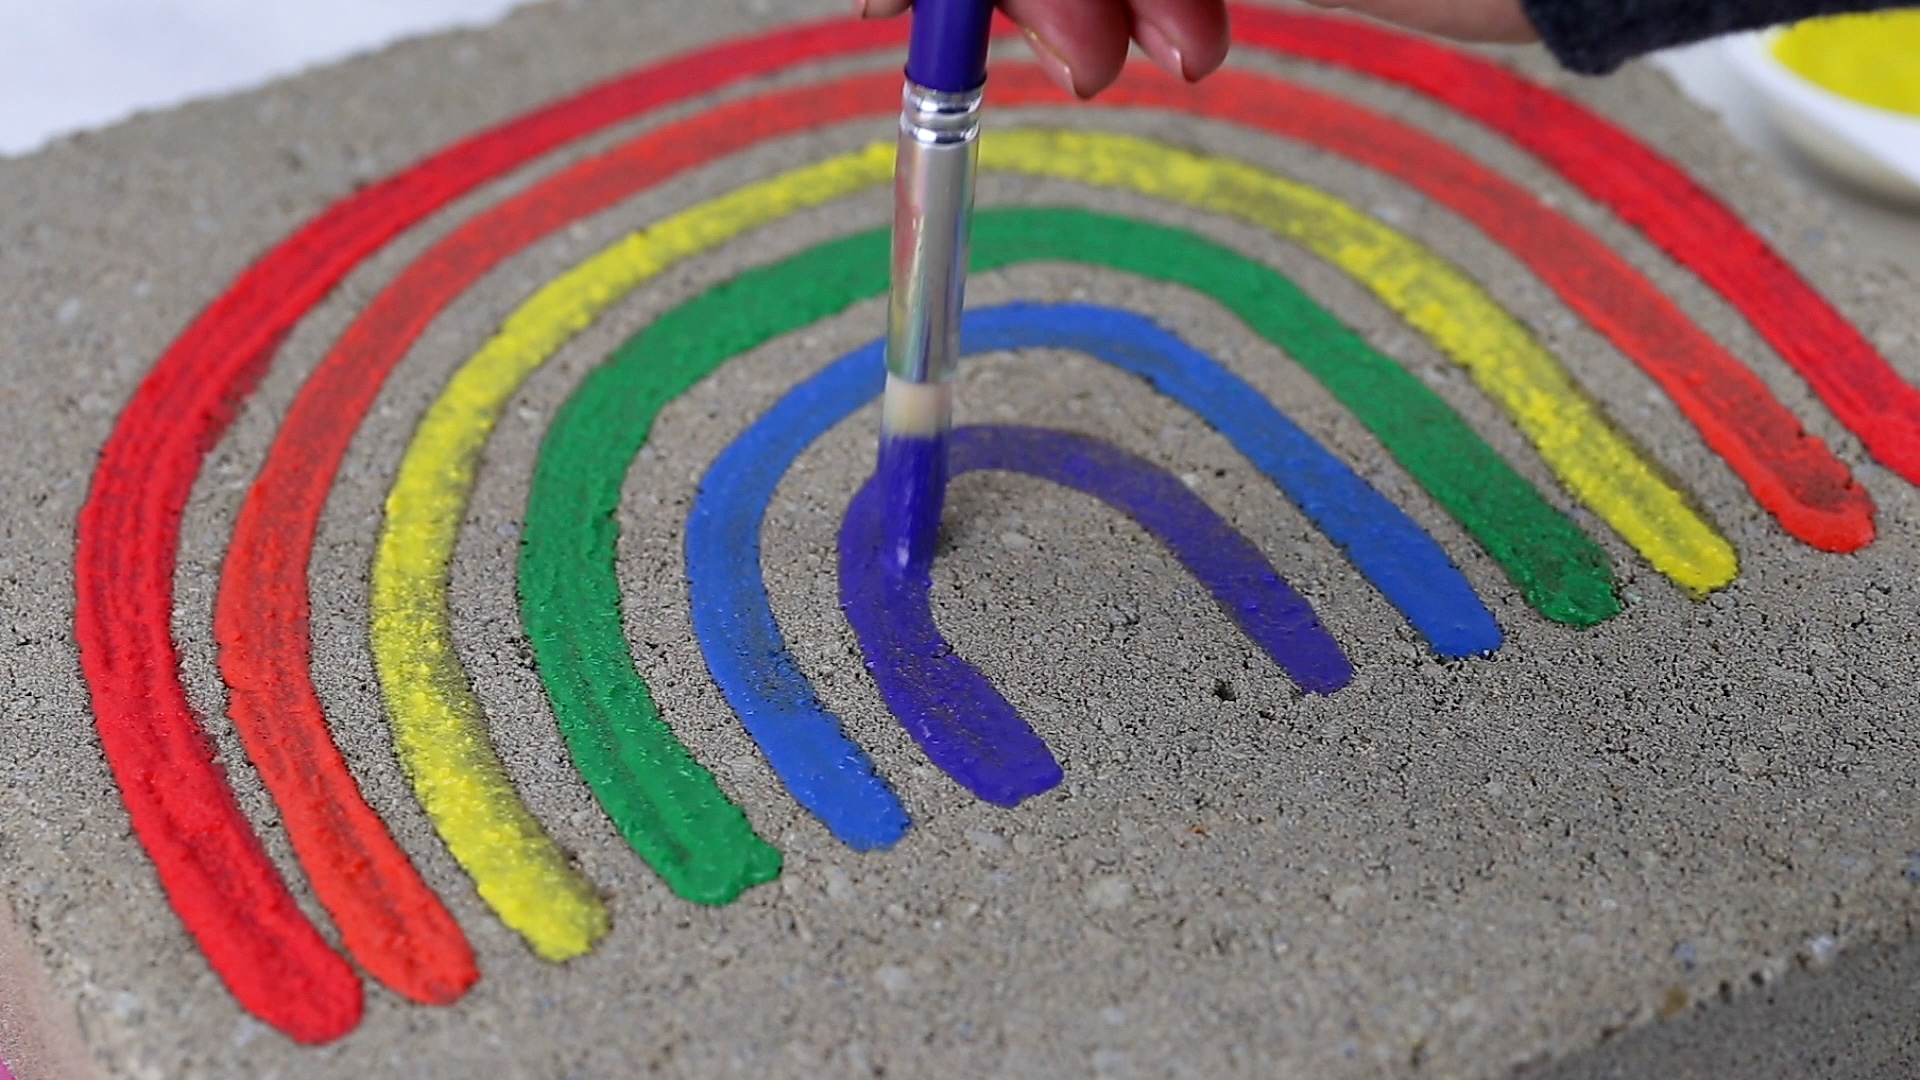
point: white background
(72, 64)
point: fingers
(1081, 43)
(1187, 38)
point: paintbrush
(932, 212)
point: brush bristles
(916, 409)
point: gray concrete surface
(1446, 870)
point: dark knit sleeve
(1595, 36)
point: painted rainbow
(240, 909)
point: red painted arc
(218, 878)
(228, 894)
(1645, 190)
(260, 616)
(1790, 472)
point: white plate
(1878, 149)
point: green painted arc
(667, 806)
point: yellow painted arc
(1596, 462)
(439, 727)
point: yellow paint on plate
(439, 728)
(1872, 58)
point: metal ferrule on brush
(932, 209)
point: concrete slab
(1445, 869)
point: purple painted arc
(1238, 576)
(964, 725)
(960, 720)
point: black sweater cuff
(1594, 37)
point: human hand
(1082, 44)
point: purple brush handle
(948, 51)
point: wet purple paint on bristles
(912, 471)
(962, 723)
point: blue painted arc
(748, 657)
(733, 619)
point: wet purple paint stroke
(962, 723)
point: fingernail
(1054, 64)
(1161, 50)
